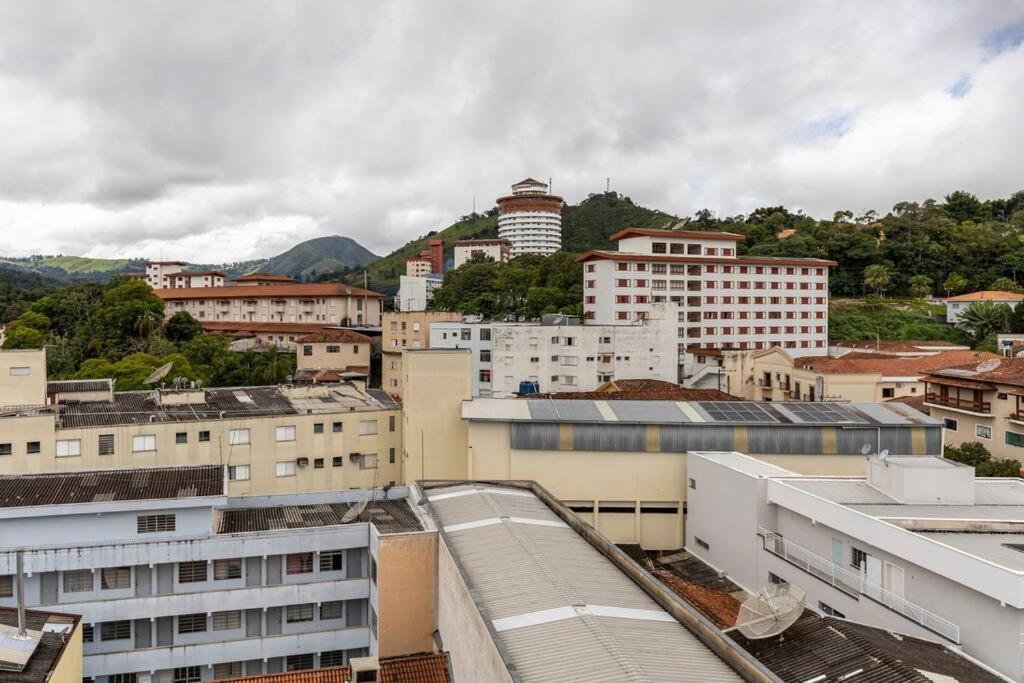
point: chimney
(364, 670)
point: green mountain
(585, 226)
(67, 269)
(320, 255)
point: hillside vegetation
(888, 320)
(320, 255)
(66, 269)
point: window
(78, 581)
(32, 447)
(68, 448)
(238, 437)
(192, 623)
(187, 674)
(858, 558)
(181, 437)
(112, 578)
(337, 461)
(20, 372)
(983, 431)
(299, 563)
(227, 569)
(299, 613)
(148, 524)
(367, 427)
(485, 376)
(122, 678)
(368, 461)
(334, 348)
(238, 472)
(693, 483)
(286, 468)
(227, 670)
(391, 456)
(300, 662)
(318, 427)
(6, 449)
(331, 560)
(143, 443)
(332, 609)
(192, 572)
(335, 426)
(116, 630)
(888, 392)
(702, 543)
(1014, 439)
(950, 424)
(830, 611)
(88, 633)
(285, 433)
(106, 444)
(6, 586)
(332, 658)
(318, 463)
(224, 621)
(307, 350)
(485, 334)
(204, 435)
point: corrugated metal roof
(529, 561)
(50, 650)
(140, 483)
(989, 546)
(389, 516)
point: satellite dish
(865, 449)
(883, 455)
(770, 611)
(989, 365)
(158, 374)
(354, 511)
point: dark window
(6, 586)
(106, 442)
(335, 426)
(227, 569)
(318, 463)
(299, 563)
(148, 524)
(87, 633)
(192, 572)
(192, 623)
(332, 658)
(115, 577)
(121, 678)
(609, 508)
(318, 428)
(336, 461)
(307, 350)
(32, 447)
(300, 662)
(331, 560)
(187, 674)
(116, 630)
(225, 621)
(391, 423)
(693, 483)
(204, 435)
(181, 437)
(582, 508)
(391, 456)
(299, 613)
(774, 578)
(333, 609)
(78, 581)
(830, 611)
(888, 392)
(1014, 439)
(859, 558)
(950, 424)
(6, 449)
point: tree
(984, 318)
(182, 327)
(1016, 321)
(975, 454)
(920, 286)
(1005, 284)
(877, 277)
(954, 284)
(21, 337)
(963, 206)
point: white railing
(855, 584)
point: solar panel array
(822, 412)
(736, 411)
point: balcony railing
(856, 585)
(766, 383)
(971, 405)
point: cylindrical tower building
(530, 219)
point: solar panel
(832, 413)
(735, 411)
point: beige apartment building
(775, 375)
(402, 330)
(324, 304)
(330, 355)
(981, 402)
(274, 439)
(621, 464)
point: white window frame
(978, 428)
(364, 427)
(238, 437)
(239, 473)
(284, 433)
(147, 443)
(285, 468)
(21, 371)
(68, 448)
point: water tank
(528, 387)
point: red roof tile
(263, 277)
(987, 295)
(334, 335)
(890, 366)
(1009, 371)
(250, 328)
(255, 292)
(645, 232)
(739, 260)
(719, 607)
(424, 668)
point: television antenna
(989, 365)
(158, 374)
(770, 611)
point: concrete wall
(406, 330)
(332, 355)
(474, 654)
(435, 384)
(406, 593)
(22, 377)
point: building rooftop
(675, 393)
(907, 346)
(249, 292)
(258, 276)
(987, 295)
(196, 405)
(557, 608)
(75, 386)
(50, 632)
(647, 232)
(389, 516)
(95, 486)
(334, 335)
(890, 366)
(483, 243)
(741, 260)
(1005, 371)
(679, 412)
(424, 668)
(190, 273)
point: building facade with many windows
(402, 330)
(530, 219)
(726, 301)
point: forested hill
(585, 226)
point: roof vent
(364, 669)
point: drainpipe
(21, 591)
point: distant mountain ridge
(320, 255)
(61, 270)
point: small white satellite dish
(865, 449)
(989, 365)
(770, 611)
(158, 374)
(883, 455)
(353, 512)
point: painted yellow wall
(346, 355)
(406, 330)
(68, 668)
(436, 382)
(22, 389)
(407, 593)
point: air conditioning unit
(354, 457)
(302, 462)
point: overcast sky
(220, 131)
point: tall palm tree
(983, 318)
(275, 366)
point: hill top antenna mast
(607, 184)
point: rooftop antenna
(158, 374)
(883, 455)
(355, 510)
(607, 185)
(770, 611)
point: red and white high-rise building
(530, 219)
(726, 301)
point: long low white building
(917, 546)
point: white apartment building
(415, 293)
(726, 301)
(158, 273)
(559, 354)
(178, 583)
(530, 219)
(955, 305)
(188, 278)
(497, 250)
(918, 546)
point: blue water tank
(528, 387)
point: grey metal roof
(989, 546)
(77, 385)
(517, 569)
(1003, 513)
(139, 483)
(389, 516)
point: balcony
(957, 403)
(855, 585)
(764, 383)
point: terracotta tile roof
(641, 385)
(423, 668)
(1009, 371)
(646, 232)
(330, 374)
(257, 292)
(988, 295)
(904, 346)
(678, 258)
(889, 366)
(263, 277)
(719, 607)
(250, 328)
(335, 335)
